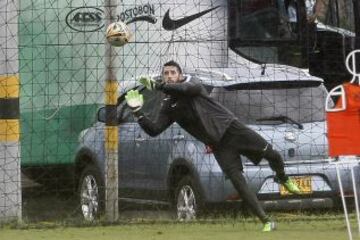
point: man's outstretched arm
(135, 101)
(185, 88)
(153, 128)
(189, 87)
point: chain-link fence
(271, 63)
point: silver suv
(174, 168)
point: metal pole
(343, 202)
(356, 198)
(356, 4)
(111, 128)
(10, 169)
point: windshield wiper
(282, 118)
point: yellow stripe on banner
(9, 130)
(111, 92)
(9, 86)
(111, 138)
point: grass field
(289, 227)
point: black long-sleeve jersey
(189, 104)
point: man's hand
(134, 100)
(148, 82)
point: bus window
(259, 20)
(264, 31)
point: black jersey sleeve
(154, 128)
(189, 88)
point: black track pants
(234, 173)
(239, 140)
(276, 163)
(247, 195)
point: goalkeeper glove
(134, 100)
(150, 83)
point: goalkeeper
(188, 103)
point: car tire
(91, 193)
(188, 199)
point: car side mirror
(101, 115)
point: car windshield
(304, 104)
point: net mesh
(251, 57)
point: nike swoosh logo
(170, 24)
(149, 19)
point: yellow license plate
(304, 184)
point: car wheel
(90, 193)
(188, 200)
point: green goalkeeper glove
(148, 82)
(134, 100)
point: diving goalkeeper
(188, 103)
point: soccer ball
(118, 34)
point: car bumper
(324, 185)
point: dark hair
(175, 64)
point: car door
(154, 151)
(130, 171)
(143, 160)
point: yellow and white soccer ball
(118, 34)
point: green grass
(304, 228)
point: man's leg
(248, 196)
(252, 145)
(230, 162)
(277, 165)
